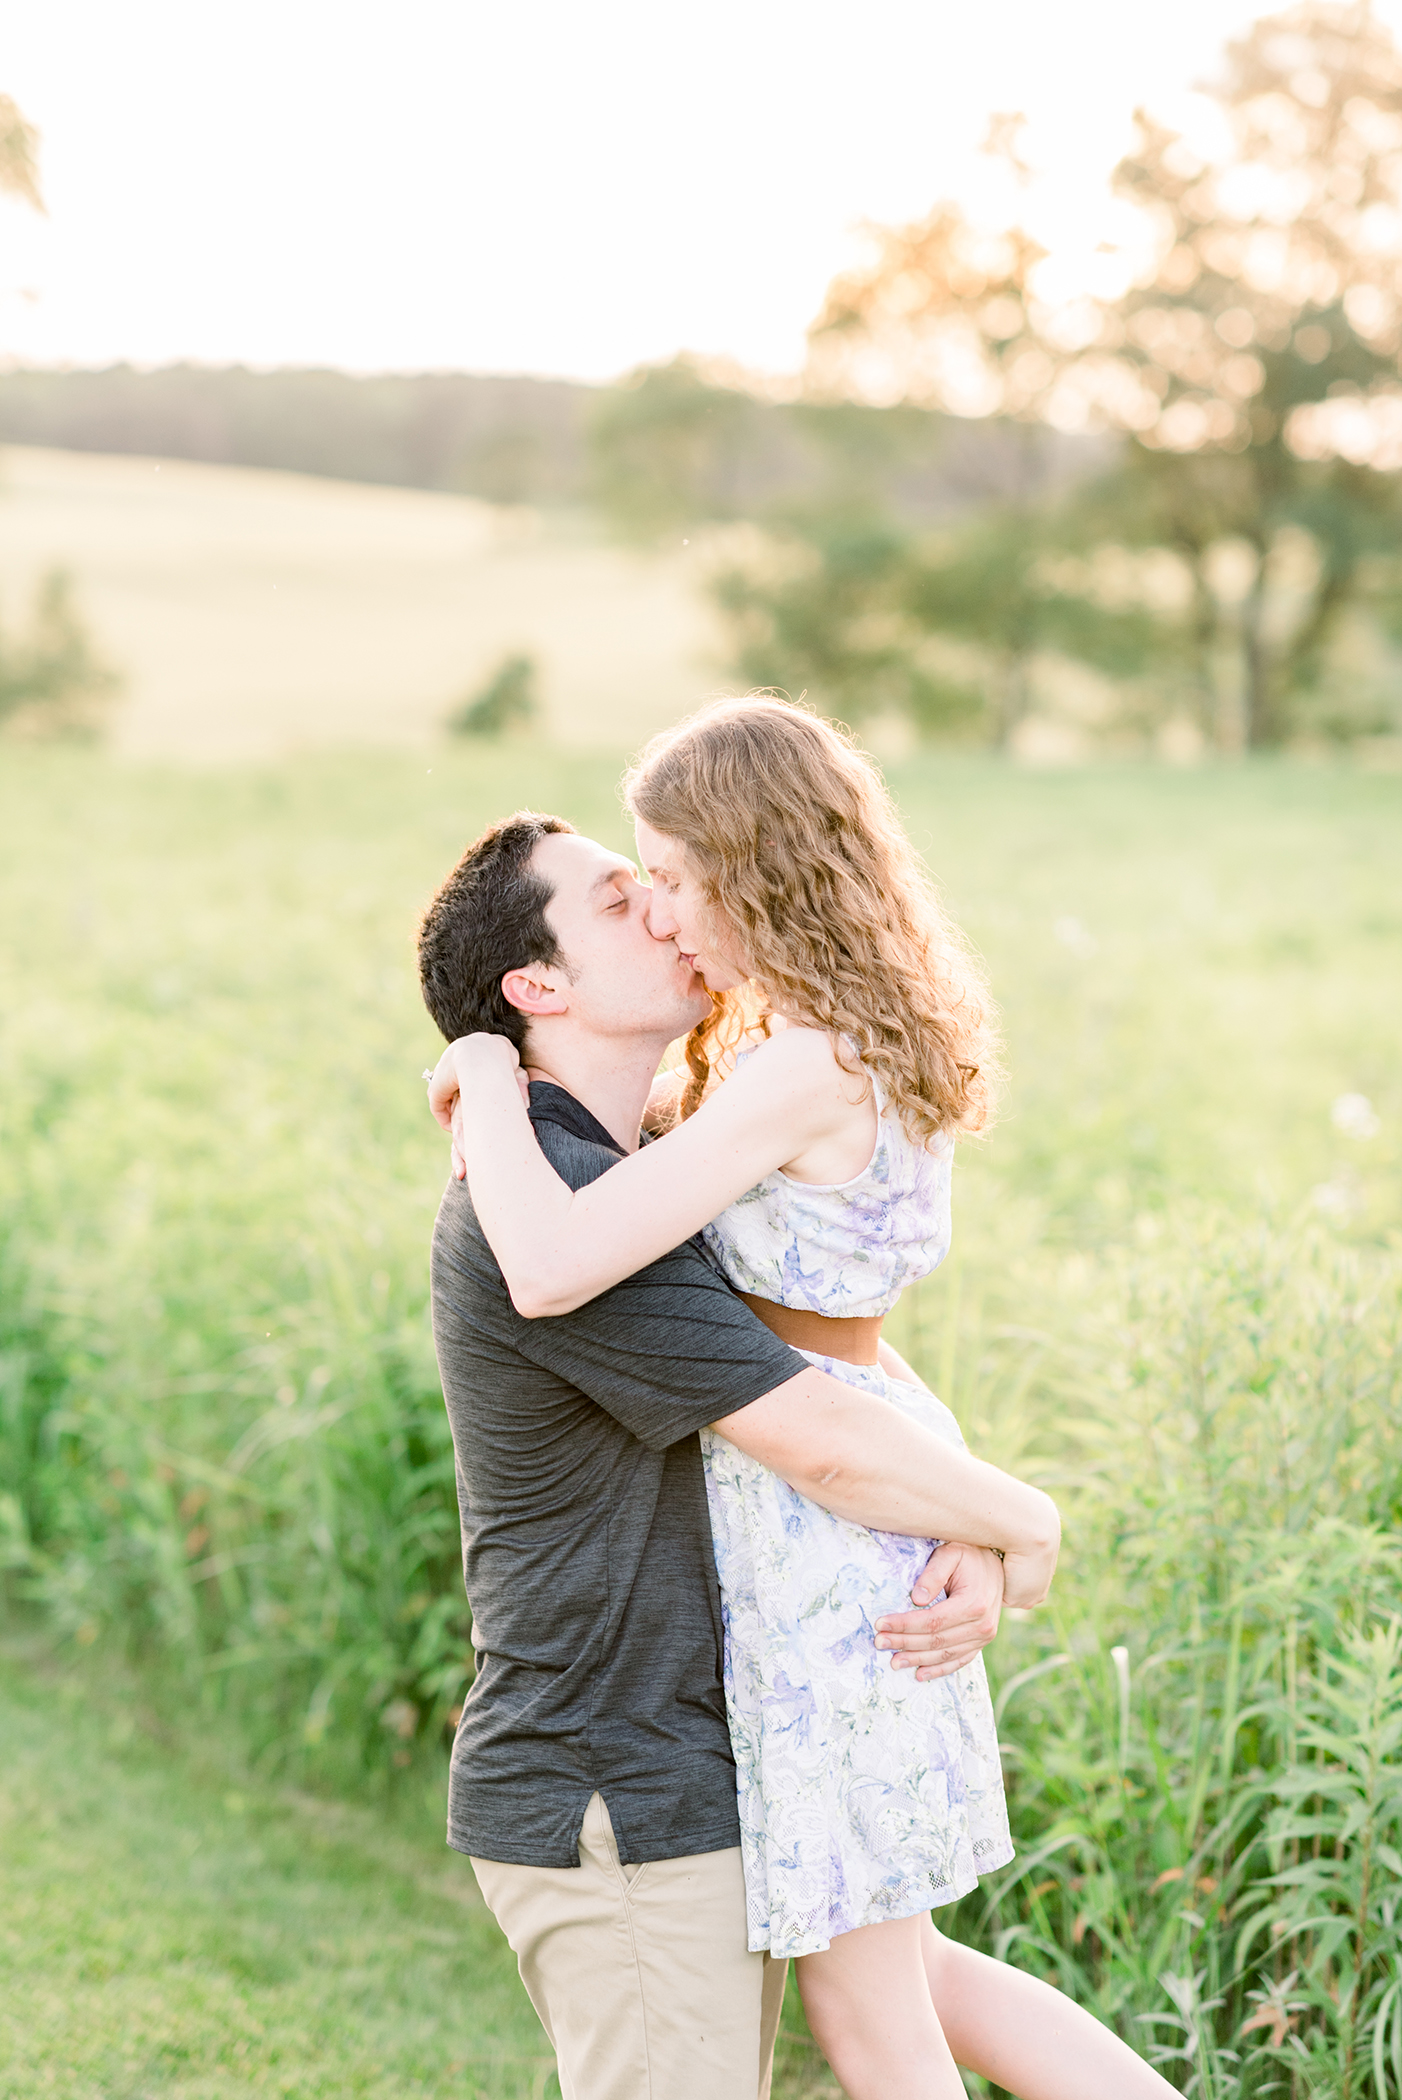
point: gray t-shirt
(586, 1543)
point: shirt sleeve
(665, 1351)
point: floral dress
(863, 1794)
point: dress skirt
(863, 1795)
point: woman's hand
(1027, 1577)
(465, 1056)
(451, 1083)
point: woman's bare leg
(870, 2005)
(1024, 2035)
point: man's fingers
(975, 1633)
(941, 1619)
(920, 1621)
(940, 1660)
(936, 1571)
(928, 1671)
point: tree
(676, 446)
(819, 611)
(19, 155)
(859, 611)
(53, 683)
(669, 449)
(507, 701)
(52, 680)
(1251, 359)
(833, 596)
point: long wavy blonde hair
(802, 858)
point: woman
(849, 1040)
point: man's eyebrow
(600, 882)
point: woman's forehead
(655, 850)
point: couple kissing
(730, 1564)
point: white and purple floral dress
(863, 1794)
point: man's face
(621, 981)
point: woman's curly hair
(800, 853)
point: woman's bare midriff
(852, 1341)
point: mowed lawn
(217, 1182)
(167, 1929)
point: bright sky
(552, 187)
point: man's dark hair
(488, 918)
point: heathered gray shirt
(586, 1543)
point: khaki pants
(640, 1974)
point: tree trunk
(1260, 684)
(1011, 697)
(1300, 659)
(1216, 714)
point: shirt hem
(687, 1844)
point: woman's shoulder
(791, 1047)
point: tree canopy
(19, 155)
(1250, 354)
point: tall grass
(1174, 1299)
(1202, 1732)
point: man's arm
(867, 1461)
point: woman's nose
(661, 922)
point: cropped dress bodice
(848, 1248)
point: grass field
(1174, 1298)
(254, 614)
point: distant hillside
(253, 613)
(508, 440)
(666, 445)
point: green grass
(167, 1930)
(1174, 1298)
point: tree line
(664, 449)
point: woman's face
(678, 911)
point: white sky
(551, 187)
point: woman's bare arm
(556, 1247)
(868, 1461)
(894, 1364)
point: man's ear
(534, 991)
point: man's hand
(941, 1638)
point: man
(592, 1783)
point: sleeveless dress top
(863, 1795)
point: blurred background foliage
(52, 680)
(1167, 515)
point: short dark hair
(488, 918)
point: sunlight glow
(553, 189)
